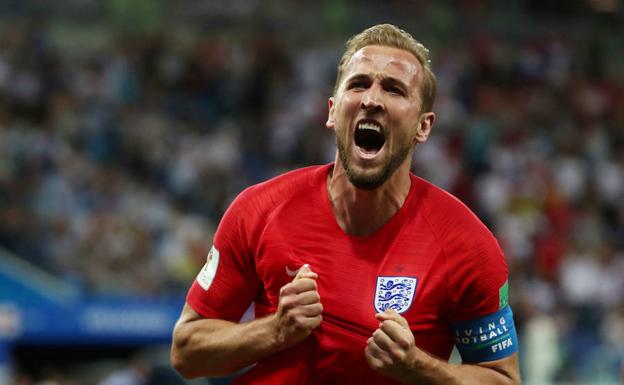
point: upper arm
(480, 315)
(228, 282)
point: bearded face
(371, 181)
(376, 114)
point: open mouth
(369, 137)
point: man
(360, 272)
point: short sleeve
(227, 284)
(481, 317)
(477, 274)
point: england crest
(395, 293)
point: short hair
(391, 36)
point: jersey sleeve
(227, 284)
(481, 318)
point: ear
(330, 115)
(424, 127)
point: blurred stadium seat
(126, 128)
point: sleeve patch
(208, 272)
(487, 338)
(503, 295)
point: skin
(380, 84)
(212, 347)
(369, 91)
(391, 351)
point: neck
(362, 212)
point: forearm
(211, 347)
(432, 371)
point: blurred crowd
(118, 159)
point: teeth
(369, 126)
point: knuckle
(397, 353)
(404, 343)
(299, 322)
(311, 285)
(288, 303)
(285, 290)
(389, 325)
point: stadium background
(127, 127)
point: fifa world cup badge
(208, 272)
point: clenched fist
(299, 309)
(392, 350)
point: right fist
(299, 309)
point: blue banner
(97, 321)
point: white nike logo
(292, 273)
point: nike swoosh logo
(291, 273)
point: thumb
(305, 272)
(392, 315)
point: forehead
(386, 61)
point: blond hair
(391, 36)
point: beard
(372, 181)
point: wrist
(423, 369)
(274, 335)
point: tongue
(367, 153)
(369, 150)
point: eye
(357, 84)
(395, 90)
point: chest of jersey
(400, 267)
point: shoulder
(283, 187)
(444, 211)
(266, 196)
(464, 239)
(247, 216)
(476, 267)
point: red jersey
(433, 261)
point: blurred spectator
(121, 145)
(135, 372)
(541, 348)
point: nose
(372, 100)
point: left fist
(392, 350)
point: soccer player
(359, 271)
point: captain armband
(487, 338)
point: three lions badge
(394, 293)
